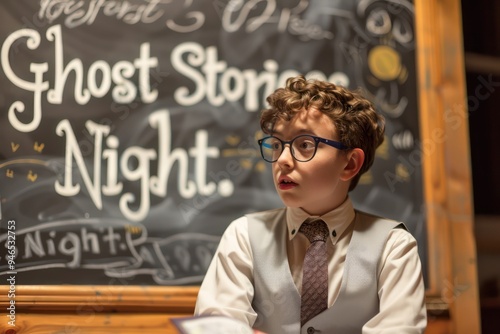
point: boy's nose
(286, 158)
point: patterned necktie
(314, 298)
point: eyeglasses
(303, 147)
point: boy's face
(321, 184)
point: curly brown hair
(357, 123)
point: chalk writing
(86, 12)
(219, 83)
(120, 75)
(156, 184)
(110, 246)
(77, 13)
(241, 14)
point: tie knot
(314, 229)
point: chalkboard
(128, 128)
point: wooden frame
(446, 164)
(448, 198)
(98, 309)
(89, 299)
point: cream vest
(276, 298)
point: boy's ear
(355, 160)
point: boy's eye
(275, 145)
(306, 144)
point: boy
(320, 139)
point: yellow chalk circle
(384, 62)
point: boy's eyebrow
(300, 131)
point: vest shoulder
(368, 218)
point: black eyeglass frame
(317, 140)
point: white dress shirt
(227, 288)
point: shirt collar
(337, 220)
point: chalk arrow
(38, 147)
(32, 177)
(14, 146)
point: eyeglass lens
(302, 148)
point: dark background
(481, 29)
(481, 33)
